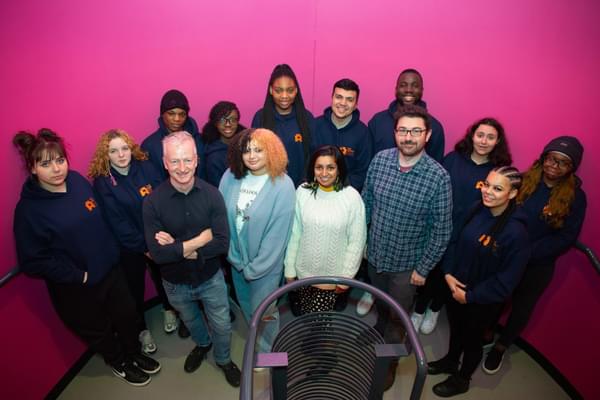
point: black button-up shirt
(185, 216)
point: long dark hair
(46, 144)
(268, 112)
(210, 133)
(500, 155)
(327, 150)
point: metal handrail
(246, 388)
(589, 253)
(9, 275)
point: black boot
(452, 386)
(442, 366)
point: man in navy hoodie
(340, 126)
(409, 89)
(174, 109)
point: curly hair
(34, 148)
(100, 163)
(210, 133)
(277, 158)
(562, 195)
(500, 154)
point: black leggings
(103, 315)
(435, 291)
(534, 282)
(468, 323)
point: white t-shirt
(251, 186)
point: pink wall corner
(82, 68)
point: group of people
(289, 198)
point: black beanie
(567, 145)
(174, 99)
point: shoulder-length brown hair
(277, 159)
(100, 164)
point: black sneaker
(131, 374)
(493, 361)
(183, 331)
(195, 358)
(452, 386)
(232, 373)
(441, 366)
(145, 363)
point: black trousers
(103, 315)
(534, 282)
(156, 277)
(435, 291)
(468, 323)
(134, 270)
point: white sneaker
(429, 322)
(416, 320)
(147, 341)
(170, 322)
(364, 304)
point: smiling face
(51, 172)
(485, 139)
(180, 161)
(343, 103)
(326, 171)
(408, 144)
(228, 125)
(556, 167)
(119, 153)
(497, 192)
(284, 92)
(174, 119)
(409, 88)
(254, 157)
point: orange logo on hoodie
(298, 137)
(90, 204)
(145, 190)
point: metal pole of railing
(9, 275)
(246, 388)
(589, 253)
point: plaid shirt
(410, 213)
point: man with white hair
(186, 230)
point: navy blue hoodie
(381, 130)
(121, 197)
(286, 127)
(353, 141)
(153, 146)
(491, 272)
(215, 160)
(59, 236)
(549, 243)
(467, 179)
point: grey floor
(520, 377)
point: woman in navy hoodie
(482, 267)
(62, 238)
(483, 147)
(223, 123)
(284, 113)
(123, 178)
(555, 206)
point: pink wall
(84, 68)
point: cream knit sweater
(328, 235)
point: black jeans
(103, 315)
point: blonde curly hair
(100, 163)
